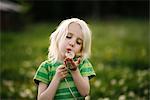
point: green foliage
(119, 56)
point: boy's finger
(78, 61)
(65, 72)
(62, 67)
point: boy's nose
(71, 43)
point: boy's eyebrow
(70, 33)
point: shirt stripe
(47, 70)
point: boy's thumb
(78, 61)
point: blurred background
(120, 45)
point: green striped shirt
(47, 70)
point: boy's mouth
(69, 53)
(68, 50)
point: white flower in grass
(131, 94)
(106, 98)
(121, 82)
(113, 81)
(97, 83)
(22, 94)
(26, 64)
(26, 93)
(87, 98)
(12, 89)
(122, 97)
(10, 85)
(146, 91)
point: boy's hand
(71, 64)
(61, 72)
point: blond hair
(60, 34)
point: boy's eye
(79, 42)
(69, 37)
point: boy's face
(73, 41)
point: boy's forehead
(74, 24)
(75, 28)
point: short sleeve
(41, 74)
(86, 69)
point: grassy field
(119, 56)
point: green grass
(119, 56)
